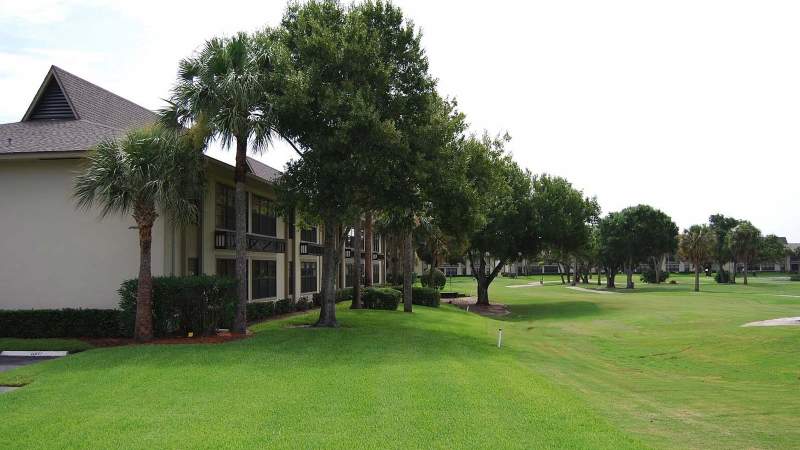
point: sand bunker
(775, 322)
(593, 291)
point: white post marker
(499, 337)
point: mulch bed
(218, 339)
(492, 310)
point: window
(225, 207)
(450, 271)
(265, 279)
(309, 235)
(376, 273)
(348, 274)
(193, 267)
(226, 267)
(263, 219)
(308, 277)
(376, 243)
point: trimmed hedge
(341, 295)
(381, 298)
(200, 304)
(64, 323)
(422, 296)
(260, 310)
(437, 281)
(425, 296)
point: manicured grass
(431, 379)
(673, 367)
(70, 345)
(656, 367)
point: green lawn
(658, 367)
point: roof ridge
(59, 69)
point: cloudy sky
(690, 106)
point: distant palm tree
(224, 84)
(696, 245)
(144, 173)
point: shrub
(64, 323)
(381, 298)
(722, 277)
(257, 311)
(673, 282)
(421, 295)
(341, 295)
(199, 304)
(435, 280)
(284, 306)
(390, 278)
(424, 296)
(649, 276)
(302, 304)
(794, 278)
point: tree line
(348, 87)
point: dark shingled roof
(263, 171)
(99, 113)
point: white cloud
(35, 12)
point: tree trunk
(356, 304)
(327, 311)
(732, 278)
(598, 275)
(408, 270)
(657, 266)
(575, 277)
(745, 272)
(239, 177)
(145, 217)
(368, 249)
(697, 277)
(629, 274)
(397, 269)
(611, 276)
(483, 291)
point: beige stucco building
(55, 256)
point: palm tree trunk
(327, 311)
(239, 177)
(368, 249)
(145, 217)
(408, 270)
(356, 304)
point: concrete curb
(29, 354)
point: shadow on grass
(555, 310)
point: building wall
(54, 256)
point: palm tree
(697, 246)
(224, 84)
(145, 172)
